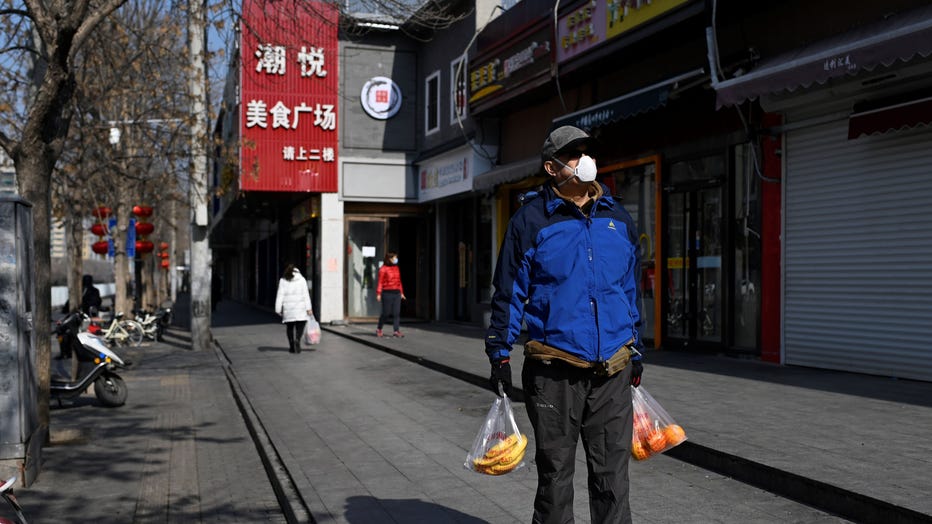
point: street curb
(817, 494)
(289, 497)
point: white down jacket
(293, 301)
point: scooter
(97, 364)
(6, 491)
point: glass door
(694, 270)
(365, 250)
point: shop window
(634, 184)
(458, 71)
(432, 104)
(746, 304)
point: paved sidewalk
(177, 451)
(364, 430)
(367, 437)
(851, 444)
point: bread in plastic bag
(654, 429)
(499, 446)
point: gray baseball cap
(562, 139)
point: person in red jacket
(390, 286)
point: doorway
(695, 273)
(365, 248)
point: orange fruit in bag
(674, 434)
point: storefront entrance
(365, 249)
(695, 273)
(368, 239)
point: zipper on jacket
(593, 304)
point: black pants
(391, 307)
(564, 402)
(294, 330)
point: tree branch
(89, 24)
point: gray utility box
(20, 438)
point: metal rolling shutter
(858, 251)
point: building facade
(777, 178)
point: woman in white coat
(293, 303)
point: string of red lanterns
(101, 247)
(143, 227)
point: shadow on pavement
(856, 384)
(367, 510)
(277, 349)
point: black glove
(636, 370)
(501, 374)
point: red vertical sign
(288, 101)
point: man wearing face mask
(568, 267)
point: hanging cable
(459, 71)
(555, 64)
(716, 73)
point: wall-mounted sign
(498, 76)
(289, 96)
(452, 172)
(595, 22)
(381, 98)
(580, 30)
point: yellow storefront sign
(624, 15)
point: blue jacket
(572, 278)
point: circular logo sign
(381, 98)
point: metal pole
(200, 253)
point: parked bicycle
(153, 324)
(123, 332)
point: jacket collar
(554, 201)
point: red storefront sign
(289, 99)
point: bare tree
(35, 119)
(125, 144)
(42, 46)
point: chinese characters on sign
(381, 98)
(598, 21)
(836, 63)
(525, 62)
(289, 99)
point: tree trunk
(121, 269)
(74, 246)
(35, 169)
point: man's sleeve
(633, 279)
(511, 287)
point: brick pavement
(177, 451)
(369, 437)
(364, 430)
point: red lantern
(164, 263)
(101, 212)
(101, 248)
(163, 255)
(163, 246)
(144, 228)
(144, 246)
(142, 211)
(99, 229)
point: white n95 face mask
(585, 169)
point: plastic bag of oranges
(654, 428)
